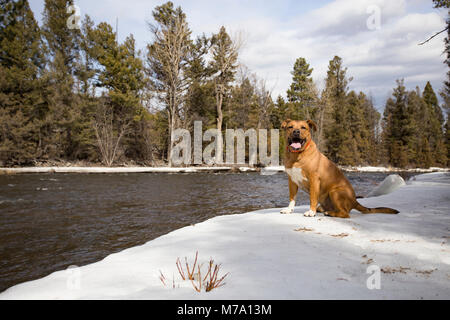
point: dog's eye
(290, 127)
(303, 128)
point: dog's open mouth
(296, 143)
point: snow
(392, 169)
(112, 169)
(265, 171)
(388, 185)
(274, 256)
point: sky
(377, 39)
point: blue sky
(277, 32)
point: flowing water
(51, 221)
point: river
(51, 221)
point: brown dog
(310, 170)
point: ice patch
(389, 184)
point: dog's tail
(365, 210)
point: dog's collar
(299, 151)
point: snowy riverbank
(274, 256)
(266, 170)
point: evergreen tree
(263, 106)
(301, 95)
(280, 112)
(419, 151)
(201, 103)
(224, 65)
(63, 44)
(354, 124)
(360, 130)
(23, 107)
(399, 128)
(121, 74)
(200, 95)
(370, 130)
(83, 136)
(241, 102)
(434, 128)
(338, 137)
(85, 65)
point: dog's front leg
(314, 190)
(293, 189)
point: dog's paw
(286, 211)
(309, 213)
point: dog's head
(298, 133)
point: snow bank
(274, 256)
(111, 169)
(388, 185)
(391, 169)
(266, 170)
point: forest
(78, 95)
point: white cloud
(277, 33)
(375, 59)
(347, 17)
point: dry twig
(210, 281)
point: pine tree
(199, 100)
(338, 137)
(264, 106)
(129, 92)
(83, 135)
(63, 44)
(85, 64)
(371, 116)
(241, 102)
(398, 138)
(301, 94)
(435, 125)
(121, 74)
(419, 150)
(224, 65)
(23, 107)
(362, 120)
(355, 126)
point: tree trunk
(320, 125)
(219, 102)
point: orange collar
(300, 151)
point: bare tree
(108, 138)
(224, 64)
(263, 100)
(167, 58)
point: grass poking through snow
(209, 281)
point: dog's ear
(285, 123)
(312, 125)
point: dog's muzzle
(296, 143)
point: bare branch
(436, 34)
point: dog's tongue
(296, 145)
